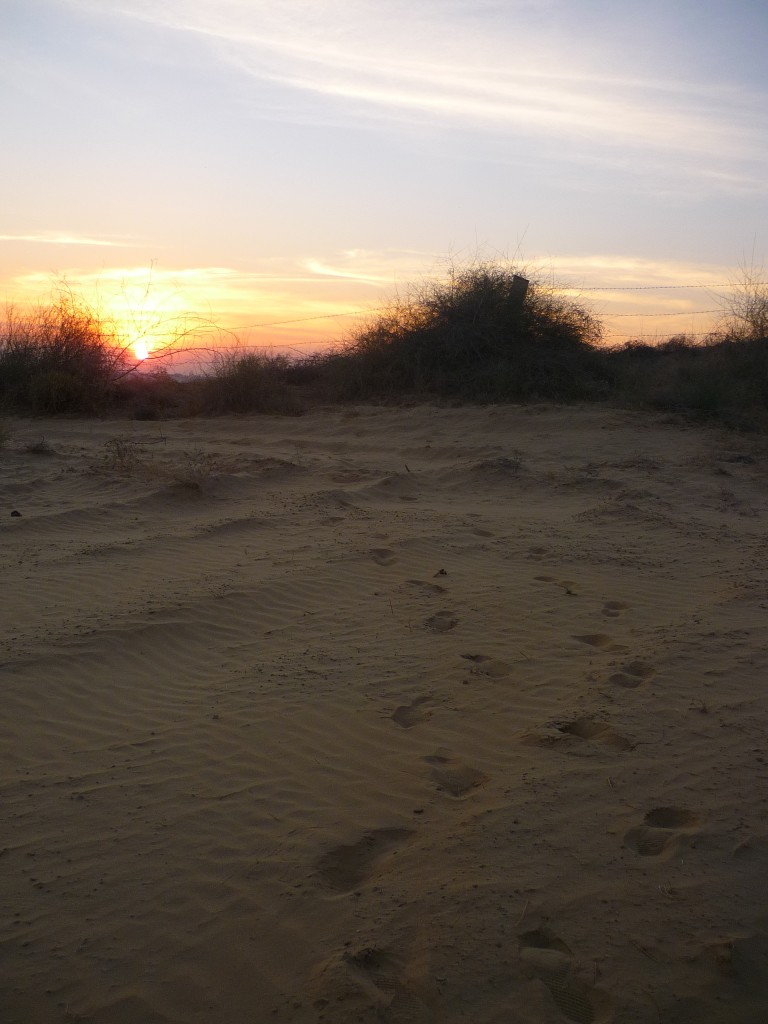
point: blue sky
(272, 160)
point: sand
(400, 715)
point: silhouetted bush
(59, 359)
(247, 382)
(471, 337)
(154, 394)
(723, 381)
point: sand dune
(412, 715)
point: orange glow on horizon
(180, 318)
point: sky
(244, 163)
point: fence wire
(563, 289)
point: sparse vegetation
(194, 470)
(41, 447)
(476, 336)
(121, 455)
(152, 395)
(241, 382)
(745, 309)
(723, 380)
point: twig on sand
(644, 950)
(653, 1000)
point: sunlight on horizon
(181, 316)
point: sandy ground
(413, 715)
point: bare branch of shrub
(745, 308)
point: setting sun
(140, 349)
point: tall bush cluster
(475, 335)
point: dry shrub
(122, 455)
(745, 308)
(194, 471)
(473, 337)
(61, 358)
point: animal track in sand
(661, 831)
(486, 666)
(633, 674)
(452, 776)
(596, 732)
(441, 622)
(383, 556)
(537, 552)
(551, 960)
(408, 715)
(345, 867)
(613, 609)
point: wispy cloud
(602, 270)
(273, 290)
(54, 238)
(496, 69)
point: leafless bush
(745, 308)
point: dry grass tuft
(195, 471)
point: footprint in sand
(613, 609)
(537, 552)
(585, 731)
(369, 978)
(550, 959)
(663, 829)
(745, 958)
(441, 622)
(596, 732)
(487, 666)
(344, 868)
(387, 974)
(594, 639)
(428, 588)
(383, 556)
(408, 715)
(452, 776)
(633, 674)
